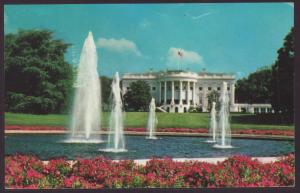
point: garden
(28, 171)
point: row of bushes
(27, 171)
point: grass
(139, 119)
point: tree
(256, 88)
(283, 77)
(38, 80)
(213, 96)
(105, 90)
(138, 96)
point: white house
(178, 91)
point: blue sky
(230, 37)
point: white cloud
(187, 57)
(119, 45)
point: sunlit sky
(229, 37)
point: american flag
(180, 54)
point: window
(127, 88)
(153, 88)
(209, 88)
(176, 87)
(228, 88)
(200, 88)
(191, 88)
(219, 88)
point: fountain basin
(49, 145)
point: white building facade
(178, 91)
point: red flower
(237, 171)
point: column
(204, 104)
(194, 93)
(232, 87)
(180, 93)
(188, 93)
(165, 96)
(172, 99)
(159, 93)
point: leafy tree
(256, 88)
(105, 90)
(38, 80)
(213, 96)
(283, 77)
(138, 96)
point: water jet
(224, 137)
(152, 120)
(86, 112)
(116, 139)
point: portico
(177, 95)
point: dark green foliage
(38, 80)
(213, 96)
(261, 119)
(106, 90)
(283, 77)
(256, 88)
(138, 97)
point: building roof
(178, 73)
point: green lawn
(139, 119)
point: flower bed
(176, 130)
(25, 171)
(34, 128)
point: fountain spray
(86, 112)
(152, 120)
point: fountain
(213, 124)
(87, 102)
(152, 120)
(224, 138)
(116, 140)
